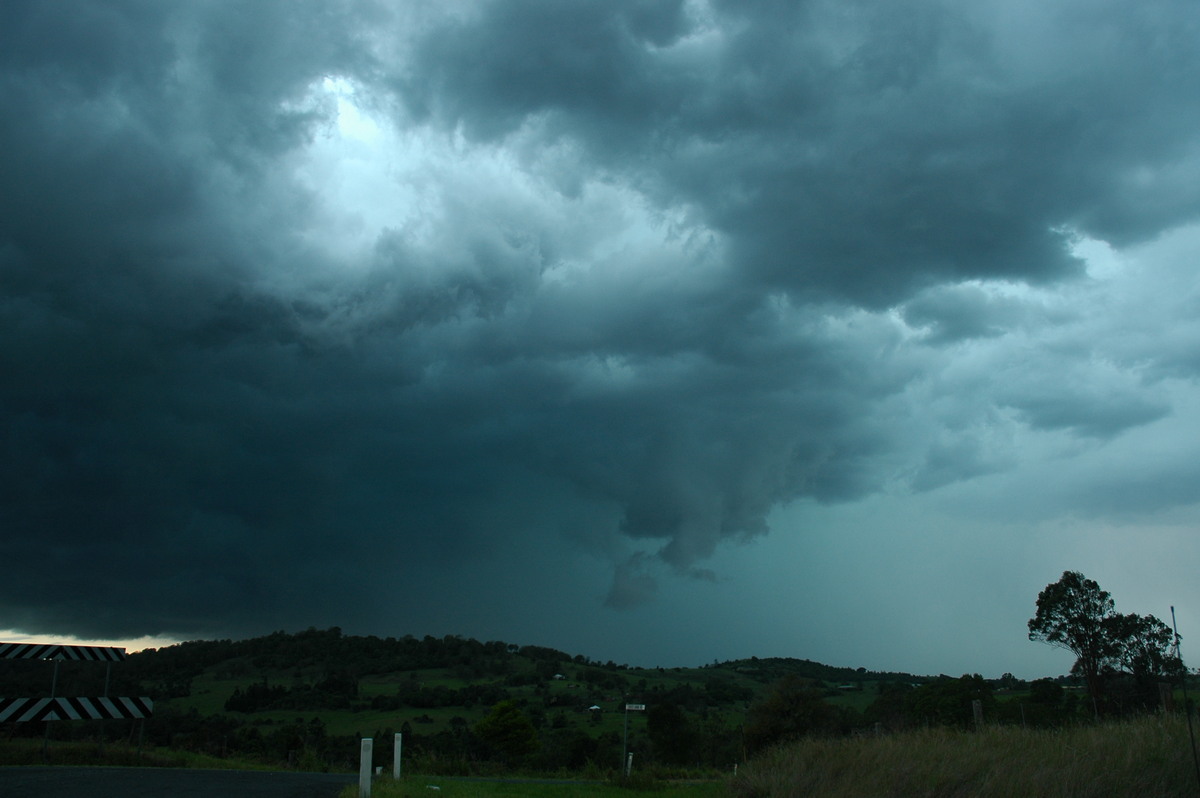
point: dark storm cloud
(959, 459)
(1096, 413)
(853, 149)
(218, 423)
(954, 313)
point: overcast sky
(661, 332)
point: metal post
(364, 768)
(396, 756)
(1187, 702)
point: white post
(364, 768)
(628, 764)
(396, 756)
(625, 743)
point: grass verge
(30, 752)
(428, 787)
(1149, 756)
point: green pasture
(212, 688)
(857, 700)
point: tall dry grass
(1148, 758)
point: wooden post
(364, 768)
(396, 756)
(977, 708)
(1166, 696)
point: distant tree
(1075, 614)
(790, 710)
(724, 690)
(508, 732)
(1009, 682)
(338, 682)
(890, 707)
(948, 702)
(673, 739)
(1144, 658)
(1046, 692)
(255, 698)
(1144, 646)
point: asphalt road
(81, 782)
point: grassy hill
(313, 693)
(303, 701)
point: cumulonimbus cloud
(684, 261)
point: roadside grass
(427, 787)
(1147, 756)
(28, 751)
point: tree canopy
(508, 732)
(1075, 614)
(792, 708)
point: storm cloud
(309, 307)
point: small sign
(635, 707)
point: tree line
(1127, 663)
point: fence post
(364, 768)
(396, 756)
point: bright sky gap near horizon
(660, 332)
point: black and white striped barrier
(59, 651)
(22, 710)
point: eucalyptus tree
(1075, 614)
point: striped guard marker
(21, 710)
(61, 651)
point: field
(211, 689)
(1149, 756)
